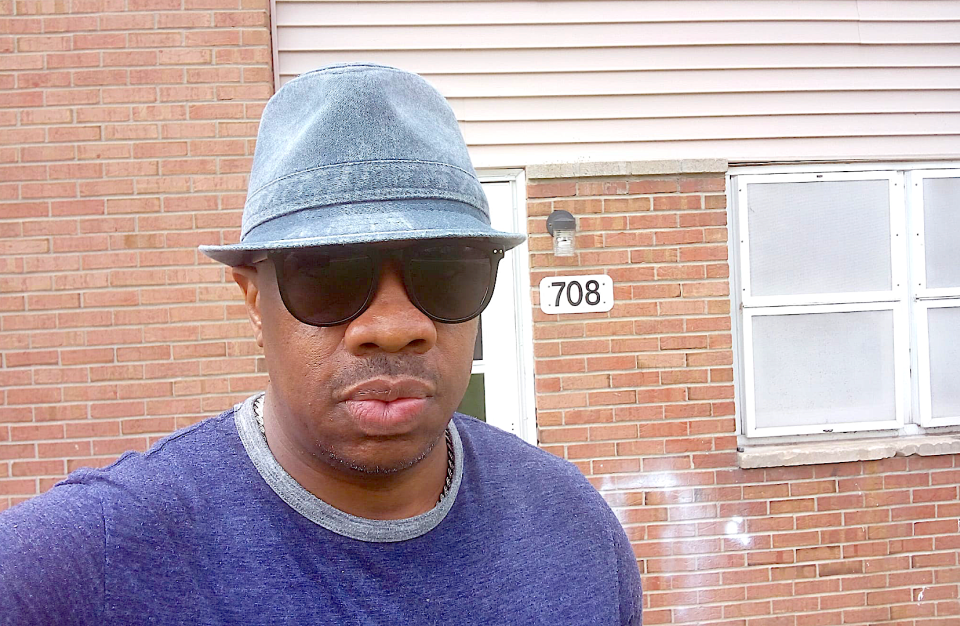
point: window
(849, 293)
(936, 278)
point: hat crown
(357, 133)
(355, 154)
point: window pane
(941, 226)
(473, 402)
(944, 334)
(823, 368)
(819, 237)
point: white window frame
(898, 254)
(909, 305)
(901, 369)
(507, 323)
(924, 298)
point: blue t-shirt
(206, 528)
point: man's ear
(247, 278)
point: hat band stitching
(318, 168)
(417, 194)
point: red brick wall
(126, 132)
(641, 399)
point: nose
(391, 323)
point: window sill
(846, 451)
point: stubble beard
(376, 469)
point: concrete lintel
(847, 451)
(553, 171)
(703, 166)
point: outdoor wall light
(562, 226)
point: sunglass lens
(323, 289)
(451, 283)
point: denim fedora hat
(359, 153)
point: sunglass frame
(377, 256)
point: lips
(387, 406)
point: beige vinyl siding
(746, 80)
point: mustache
(382, 365)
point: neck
(397, 495)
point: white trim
(274, 45)
(900, 364)
(524, 320)
(842, 297)
(918, 215)
(829, 167)
(508, 324)
(736, 302)
(899, 256)
(897, 237)
(922, 309)
(942, 293)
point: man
(348, 493)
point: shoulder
(161, 486)
(485, 441)
(177, 457)
(51, 558)
(547, 505)
(514, 467)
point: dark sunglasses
(449, 282)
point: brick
(703, 253)
(64, 449)
(33, 357)
(549, 190)
(131, 94)
(587, 416)
(55, 467)
(102, 77)
(626, 205)
(128, 21)
(24, 487)
(17, 451)
(935, 494)
(147, 425)
(119, 445)
(33, 432)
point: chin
(380, 465)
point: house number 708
(592, 297)
(576, 294)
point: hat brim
(358, 223)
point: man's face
(374, 394)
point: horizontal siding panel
(900, 10)
(694, 81)
(634, 58)
(686, 129)
(909, 32)
(784, 149)
(549, 35)
(704, 105)
(460, 13)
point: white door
(501, 386)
